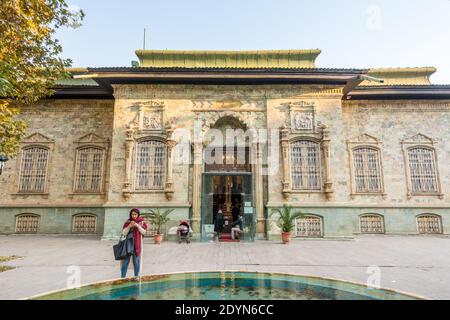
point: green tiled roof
(401, 76)
(228, 59)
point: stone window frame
(35, 140)
(310, 215)
(91, 140)
(163, 142)
(140, 130)
(369, 215)
(20, 215)
(84, 214)
(322, 138)
(371, 142)
(421, 141)
(292, 142)
(313, 130)
(441, 226)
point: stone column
(129, 143)
(197, 187)
(259, 197)
(328, 184)
(285, 153)
(170, 144)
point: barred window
(367, 170)
(89, 170)
(33, 169)
(422, 170)
(429, 224)
(150, 165)
(27, 223)
(151, 227)
(305, 165)
(84, 224)
(309, 227)
(372, 224)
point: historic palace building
(357, 151)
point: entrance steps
(226, 237)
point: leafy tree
(29, 59)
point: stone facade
(140, 111)
(64, 123)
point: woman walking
(138, 227)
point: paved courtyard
(415, 264)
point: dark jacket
(218, 224)
(239, 222)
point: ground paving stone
(414, 264)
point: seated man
(237, 226)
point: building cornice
(399, 92)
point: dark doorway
(230, 192)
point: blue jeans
(126, 262)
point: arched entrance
(227, 180)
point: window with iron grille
(151, 227)
(33, 169)
(84, 223)
(150, 165)
(310, 227)
(367, 170)
(89, 170)
(372, 224)
(422, 170)
(429, 224)
(27, 223)
(305, 165)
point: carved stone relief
(302, 116)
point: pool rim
(133, 279)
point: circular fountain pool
(226, 286)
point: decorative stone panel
(151, 115)
(302, 116)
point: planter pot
(286, 237)
(158, 238)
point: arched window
(367, 170)
(422, 170)
(309, 227)
(371, 224)
(429, 224)
(150, 165)
(27, 223)
(84, 223)
(305, 165)
(33, 169)
(89, 169)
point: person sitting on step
(237, 226)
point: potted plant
(159, 218)
(286, 221)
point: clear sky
(350, 33)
